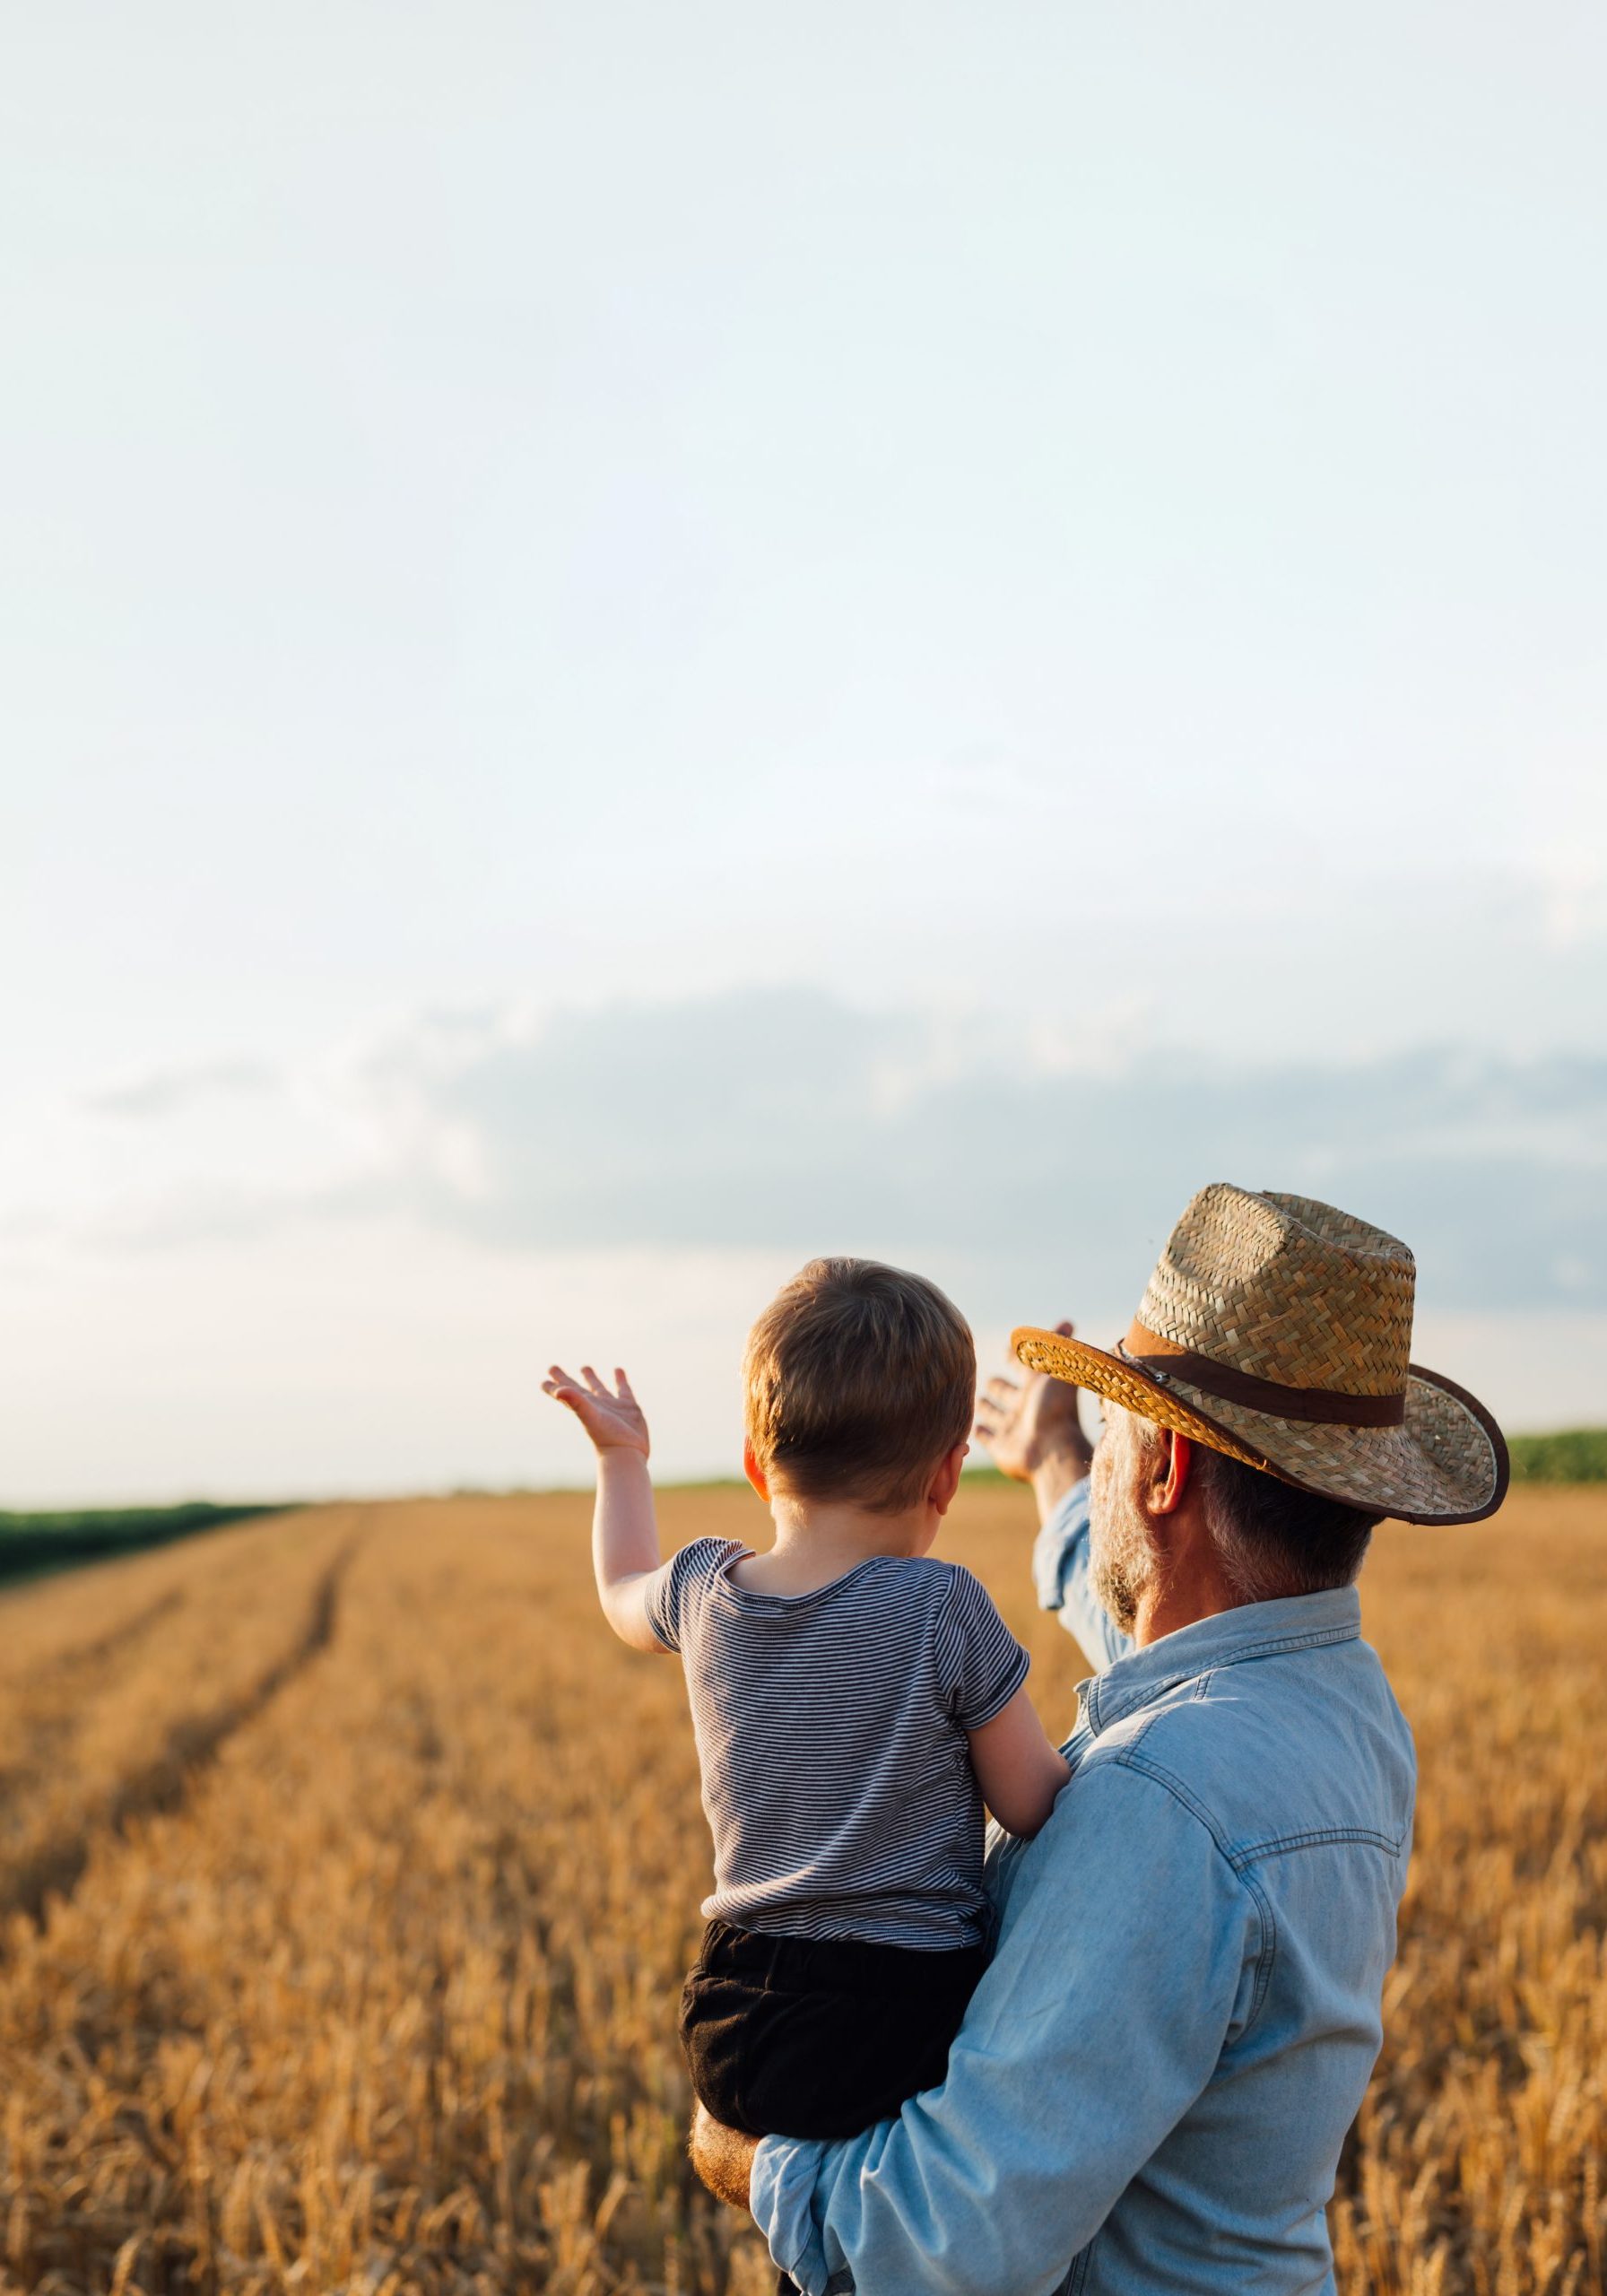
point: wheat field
(348, 1869)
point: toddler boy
(854, 1703)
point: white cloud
(355, 1279)
(761, 1121)
(172, 1092)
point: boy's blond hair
(858, 1378)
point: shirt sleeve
(981, 1665)
(1128, 1951)
(678, 1586)
(1060, 1573)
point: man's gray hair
(1272, 1540)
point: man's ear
(945, 1482)
(1170, 1472)
(755, 1473)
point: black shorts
(819, 2037)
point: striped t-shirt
(831, 1737)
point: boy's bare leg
(723, 2157)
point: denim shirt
(1155, 2076)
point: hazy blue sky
(637, 641)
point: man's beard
(1121, 1561)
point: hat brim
(1446, 1462)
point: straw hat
(1277, 1329)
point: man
(1152, 2082)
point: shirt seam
(1266, 1922)
(1277, 1845)
(957, 1573)
(1312, 1639)
(1132, 1758)
(1316, 1837)
(1142, 1695)
(752, 1601)
(1269, 1946)
(1020, 1668)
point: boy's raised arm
(625, 1554)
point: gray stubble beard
(1121, 1561)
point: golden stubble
(370, 1864)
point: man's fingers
(592, 1380)
(1002, 1392)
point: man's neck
(1169, 1602)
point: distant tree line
(34, 1542)
(1576, 1455)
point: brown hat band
(1165, 1361)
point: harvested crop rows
(368, 1865)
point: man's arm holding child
(625, 1553)
(1101, 2020)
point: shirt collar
(1253, 1630)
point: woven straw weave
(1286, 1289)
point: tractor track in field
(60, 1679)
(163, 1785)
(119, 1638)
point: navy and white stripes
(831, 1731)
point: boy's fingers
(623, 1384)
(592, 1380)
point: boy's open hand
(614, 1422)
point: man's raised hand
(1031, 1429)
(614, 1421)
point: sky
(638, 643)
